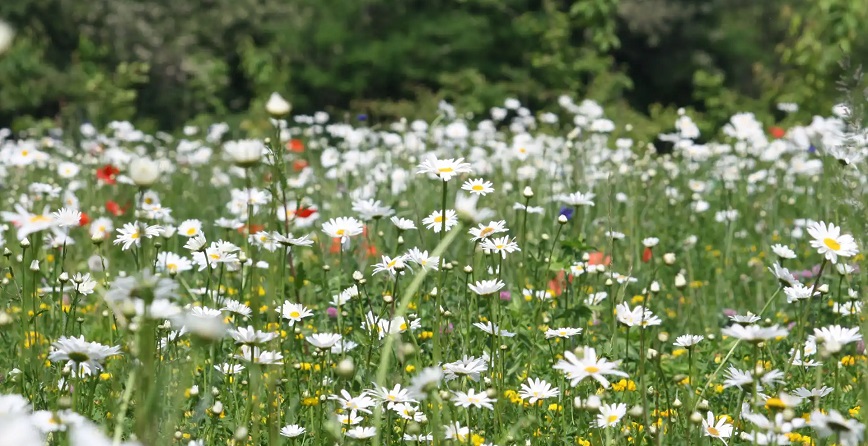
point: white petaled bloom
(342, 228)
(130, 234)
(403, 224)
(829, 242)
(688, 341)
(444, 169)
(293, 312)
(636, 317)
(650, 242)
(289, 240)
(478, 186)
(395, 395)
(245, 152)
(501, 245)
(233, 306)
(564, 333)
(189, 228)
(483, 287)
(434, 221)
(391, 265)
(67, 217)
(610, 414)
(144, 171)
(361, 403)
(493, 330)
(798, 292)
(834, 337)
(589, 365)
(422, 259)
(470, 367)
(196, 242)
(371, 209)
(361, 433)
(323, 340)
(783, 252)
(850, 432)
(78, 351)
(258, 356)
(748, 318)
(250, 336)
(784, 276)
(577, 199)
(292, 431)
(720, 429)
(172, 263)
(754, 333)
(277, 107)
(536, 390)
(350, 418)
(471, 398)
(83, 284)
(484, 231)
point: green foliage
(164, 63)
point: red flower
(305, 212)
(299, 165)
(107, 174)
(598, 258)
(777, 132)
(646, 255)
(295, 145)
(84, 219)
(254, 228)
(115, 209)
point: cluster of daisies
(517, 279)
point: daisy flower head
(478, 186)
(798, 291)
(78, 351)
(610, 414)
(293, 312)
(244, 152)
(484, 231)
(688, 341)
(834, 337)
(850, 432)
(131, 234)
(471, 398)
(392, 265)
(371, 209)
(422, 258)
(342, 227)
(536, 390)
(589, 365)
(501, 245)
(403, 224)
(292, 431)
(577, 199)
(361, 433)
(323, 340)
(719, 429)
(434, 221)
(650, 242)
(66, 217)
(444, 169)
(783, 252)
(189, 228)
(485, 287)
(754, 333)
(563, 333)
(830, 243)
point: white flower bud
(217, 408)
(144, 171)
(528, 192)
(680, 281)
(64, 277)
(34, 265)
(277, 106)
(655, 287)
(695, 418)
(669, 258)
(357, 276)
(562, 219)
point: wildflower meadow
(517, 278)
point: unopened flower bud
(680, 281)
(34, 265)
(695, 418)
(669, 258)
(357, 276)
(636, 411)
(64, 277)
(562, 219)
(655, 287)
(346, 367)
(527, 192)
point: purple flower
(505, 295)
(567, 211)
(332, 312)
(729, 312)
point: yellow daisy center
(39, 219)
(294, 314)
(477, 187)
(191, 231)
(24, 153)
(445, 170)
(340, 232)
(713, 431)
(135, 235)
(438, 219)
(592, 369)
(832, 244)
(612, 419)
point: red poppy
(557, 284)
(305, 212)
(254, 228)
(107, 174)
(598, 258)
(295, 145)
(299, 165)
(646, 255)
(84, 219)
(777, 132)
(115, 209)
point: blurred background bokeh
(165, 63)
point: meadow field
(516, 278)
